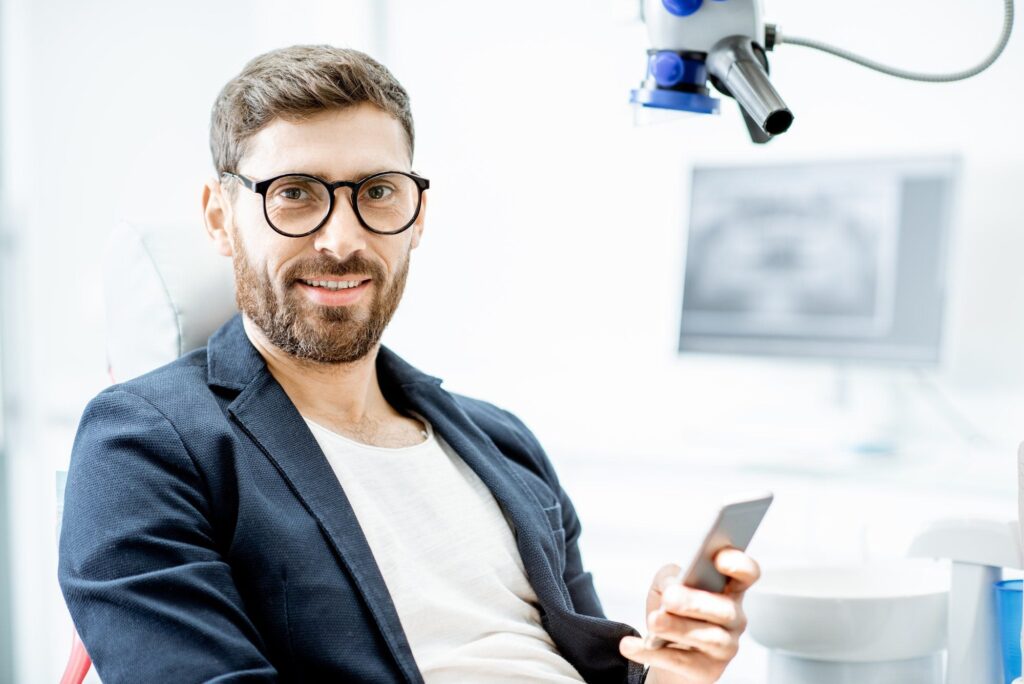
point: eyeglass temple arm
(251, 184)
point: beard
(314, 332)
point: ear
(217, 216)
(417, 228)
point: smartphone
(734, 526)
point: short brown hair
(294, 82)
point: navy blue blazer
(205, 537)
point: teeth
(332, 285)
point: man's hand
(702, 628)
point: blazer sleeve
(149, 593)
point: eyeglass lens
(297, 204)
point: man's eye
(378, 192)
(292, 193)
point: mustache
(355, 264)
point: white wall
(542, 191)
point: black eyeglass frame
(261, 187)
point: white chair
(166, 291)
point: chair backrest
(166, 290)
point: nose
(343, 234)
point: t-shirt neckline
(391, 450)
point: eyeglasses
(297, 204)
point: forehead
(337, 144)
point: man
(294, 501)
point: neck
(347, 392)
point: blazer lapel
(406, 386)
(268, 416)
(531, 527)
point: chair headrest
(166, 291)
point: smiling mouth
(335, 285)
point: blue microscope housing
(699, 41)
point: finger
(717, 642)
(693, 665)
(717, 609)
(665, 578)
(742, 570)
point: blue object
(1009, 600)
(674, 99)
(669, 68)
(682, 8)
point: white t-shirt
(449, 559)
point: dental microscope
(726, 43)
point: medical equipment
(1008, 610)
(844, 260)
(726, 42)
(878, 622)
(890, 622)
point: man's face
(314, 323)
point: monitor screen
(838, 259)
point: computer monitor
(841, 260)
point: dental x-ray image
(811, 259)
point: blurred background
(863, 361)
